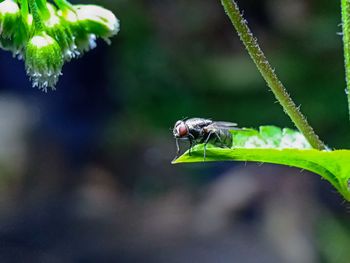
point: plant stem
(269, 75)
(38, 23)
(63, 4)
(345, 6)
(24, 9)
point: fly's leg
(177, 148)
(205, 144)
(191, 138)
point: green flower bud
(87, 22)
(43, 61)
(14, 29)
(9, 15)
(83, 40)
(58, 28)
(97, 20)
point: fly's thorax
(197, 123)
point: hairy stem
(269, 75)
(38, 23)
(345, 5)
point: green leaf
(273, 145)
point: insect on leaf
(280, 146)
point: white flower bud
(14, 29)
(44, 61)
(58, 28)
(89, 22)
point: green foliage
(269, 137)
(273, 145)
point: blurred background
(85, 173)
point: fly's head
(180, 130)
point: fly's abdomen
(225, 138)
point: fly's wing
(222, 125)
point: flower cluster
(47, 34)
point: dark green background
(94, 181)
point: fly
(199, 130)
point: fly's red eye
(182, 130)
(178, 123)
